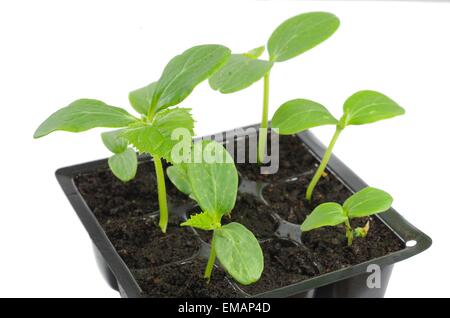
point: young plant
(365, 202)
(151, 133)
(211, 179)
(292, 38)
(361, 108)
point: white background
(53, 52)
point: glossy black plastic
(347, 282)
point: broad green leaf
(141, 99)
(238, 73)
(84, 114)
(256, 52)
(156, 138)
(326, 214)
(366, 202)
(124, 165)
(186, 71)
(213, 177)
(239, 253)
(114, 141)
(366, 107)
(203, 221)
(300, 34)
(300, 114)
(178, 176)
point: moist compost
(169, 265)
(185, 281)
(284, 263)
(295, 160)
(251, 212)
(141, 244)
(288, 198)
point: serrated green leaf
(366, 202)
(124, 165)
(203, 221)
(256, 52)
(156, 138)
(238, 73)
(178, 176)
(366, 107)
(239, 253)
(326, 214)
(213, 180)
(114, 141)
(300, 114)
(141, 99)
(85, 114)
(300, 34)
(186, 71)
(168, 120)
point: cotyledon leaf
(239, 252)
(85, 114)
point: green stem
(211, 260)
(162, 199)
(264, 121)
(348, 233)
(323, 164)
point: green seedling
(363, 203)
(212, 181)
(151, 133)
(292, 38)
(363, 107)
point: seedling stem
(162, 199)
(323, 164)
(211, 260)
(264, 121)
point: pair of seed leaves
(211, 179)
(365, 202)
(152, 132)
(290, 39)
(363, 107)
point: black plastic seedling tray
(347, 282)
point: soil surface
(141, 244)
(288, 198)
(251, 212)
(284, 263)
(185, 281)
(128, 214)
(295, 160)
(107, 196)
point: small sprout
(365, 202)
(213, 184)
(362, 231)
(290, 39)
(152, 132)
(363, 107)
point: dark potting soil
(284, 263)
(250, 212)
(185, 281)
(126, 212)
(295, 160)
(141, 244)
(288, 198)
(107, 196)
(329, 244)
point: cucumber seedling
(365, 202)
(361, 108)
(151, 133)
(212, 182)
(292, 38)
